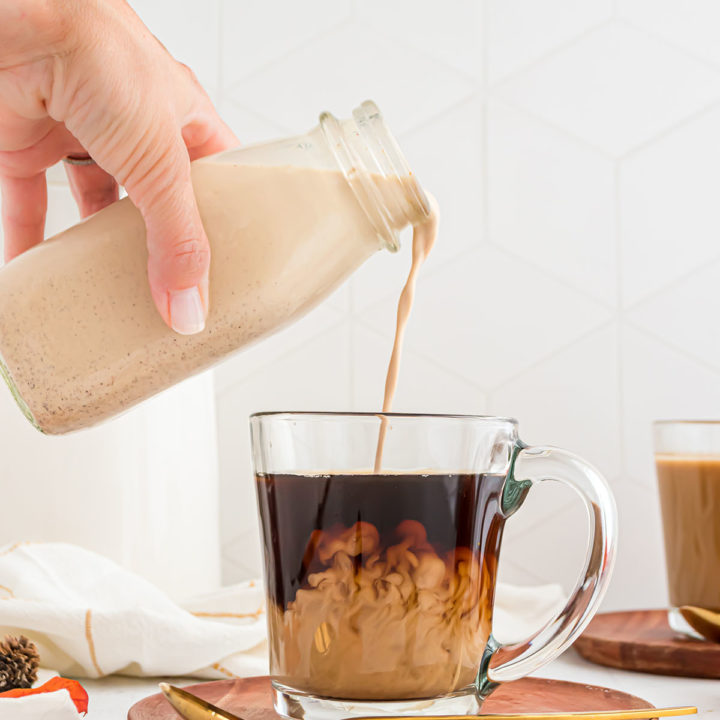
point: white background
(574, 148)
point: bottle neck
(376, 170)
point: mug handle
(532, 465)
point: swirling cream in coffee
(379, 585)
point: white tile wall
(573, 146)
(615, 87)
(519, 32)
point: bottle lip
(368, 115)
(381, 155)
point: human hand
(86, 77)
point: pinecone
(19, 662)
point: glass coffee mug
(687, 459)
(381, 584)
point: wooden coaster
(250, 699)
(642, 640)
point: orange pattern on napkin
(77, 692)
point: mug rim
(364, 414)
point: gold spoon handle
(191, 707)
(600, 715)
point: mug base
(678, 623)
(303, 706)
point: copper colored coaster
(642, 640)
(250, 699)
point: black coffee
(380, 586)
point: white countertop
(111, 698)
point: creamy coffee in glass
(687, 460)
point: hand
(86, 77)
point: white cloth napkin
(47, 706)
(89, 617)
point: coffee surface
(380, 586)
(690, 499)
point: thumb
(178, 251)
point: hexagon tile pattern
(519, 34)
(668, 214)
(615, 87)
(573, 155)
(574, 149)
(340, 69)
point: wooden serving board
(642, 640)
(250, 699)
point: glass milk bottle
(288, 221)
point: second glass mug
(380, 586)
(687, 461)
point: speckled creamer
(80, 338)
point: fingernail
(187, 312)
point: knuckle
(148, 162)
(151, 175)
(187, 257)
(99, 196)
(190, 251)
(188, 72)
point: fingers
(92, 187)
(179, 253)
(204, 132)
(24, 206)
(24, 189)
(208, 136)
(128, 106)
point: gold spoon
(705, 622)
(191, 707)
